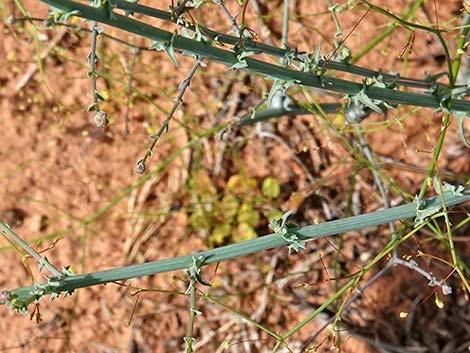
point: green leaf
(287, 232)
(461, 116)
(219, 234)
(100, 96)
(170, 51)
(167, 48)
(271, 188)
(424, 210)
(246, 214)
(92, 107)
(239, 65)
(244, 232)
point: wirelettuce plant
(376, 92)
(304, 69)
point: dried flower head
(140, 167)
(101, 119)
(5, 296)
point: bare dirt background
(65, 186)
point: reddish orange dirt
(67, 187)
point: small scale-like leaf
(158, 46)
(455, 190)
(239, 65)
(100, 96)
(279, 88)
(364, 99)
(92, 107)
(423, 211)
(169, 50)
(197, 3)
(196, 312)
(461, 116)
(245, 53)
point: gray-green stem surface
(26, 295)
(206, 51)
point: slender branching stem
(337, 316)
(406, 23)
(42, 261)
(140, 166)
(235, 27)
(433, 281)
(92, 60)
(189, 339)
(285, 25)
(130, 70)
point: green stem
(24, 296)
(206, 51)
(406, 23)
(42, 261)
(269, 49)
(460, 44)
(192, 316)
(390, 29)
(349, 285)
(293, 111)
(435, 155)
(446, 118)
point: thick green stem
(210, 53)
(26, 295)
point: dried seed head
(10, 20)
(101, 119)
(5, 296)
(140, 167)
(446, 289)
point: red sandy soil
(57, 170)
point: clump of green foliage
(234, 215)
